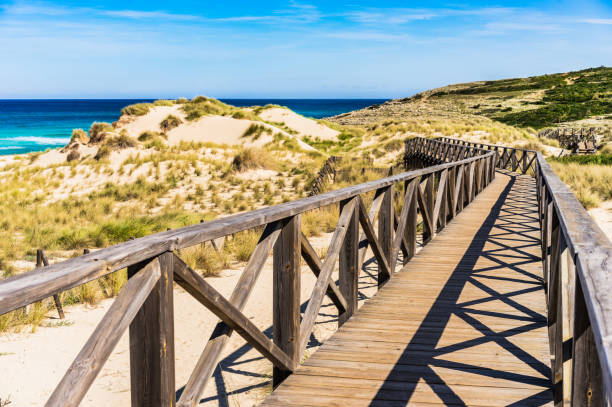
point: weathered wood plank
(385, 231)
(349, 262)
(314, 262)
(286, 297)
(90, 360)
(152, 341)
(209, 358)
(318, 291)
(228, 313)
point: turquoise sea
(35, 125)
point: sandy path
(37, 361)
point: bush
(169, 123)
(205, 259)
(138, 109)
(114, 143)
(120, 142)
(251, 158)
(98, 130)
(202, 106)
(102, 153)
(79, 136)
(591, 183)
(163, 102)
(599, 159)
(255, 130)
(73, 155)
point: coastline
(29, 125)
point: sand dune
(303, 125)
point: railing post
(349, 264)
(450, 193)
(286, 294)
(152, 342)
(566, 316)
(429, 203)
(587, 387)
(411, 224)
(385, 230)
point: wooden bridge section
(507, 302)
(464, 322)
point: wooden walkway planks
(463, 323)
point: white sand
(301, 124)
(211, 129)
(150, 121)
(603, 217)
(37, 361)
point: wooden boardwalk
(464, 323)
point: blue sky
(295, 49)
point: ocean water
(35, 125)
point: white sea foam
(50, 141)
(9, 147)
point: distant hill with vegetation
(581, 98)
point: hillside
(581, 98)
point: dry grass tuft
(251, 158)
(592, 184)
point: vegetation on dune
(591, 183)
(562, 97)
(169, 123)
(79, 136)
(114, 143)
(163, 102)
(138, 109)
(98, 131)
(256, 130)
(252, 158)
(202, 106)
(535, 102)
(600, 159)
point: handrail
(506, 159)
(38, 284)
(577, 258)
(145, 304)
(577, 266)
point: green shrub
(254, 130)
(599, 159)
(79, 136)
(163, 102)
(169, 123)
(97, 131)
(148, 135)
(202, 106)
(138, 109)
(121, 142)
(251, 158)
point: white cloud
(601, 21)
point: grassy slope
(535, 102)
(509, 112)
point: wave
(50, 141)
(9, 147)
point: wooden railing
(145, 304)
(327, 171)
(577, 259)
(577, 265)
(507, 158)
